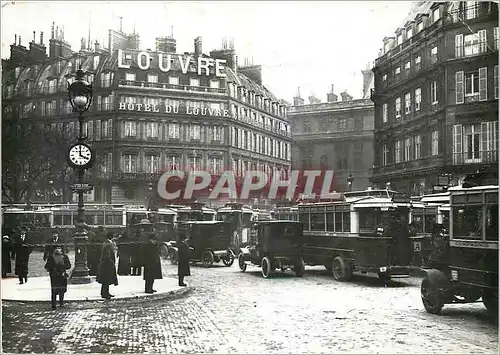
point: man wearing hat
(21, 252)
(137, 257)
(107, 268)
(152, 263)
(6, 250)
(53, 244)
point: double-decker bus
(465, 266)
(367, 232)
(241, 219)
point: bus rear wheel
(341, 269)
(431, 297)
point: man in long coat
(124, 251)
(95, 241)
(6, 250)
(53, 244)
(57, 264)
(107, 269)
(183, 268)
(21, 252)
(152, 263)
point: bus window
(491, 227)
(246, 220)
(338, 221)
(100, 218)
(418, 223)
(330, 227)
(446, 219)
(66, 219)
(430, 222)
(317, 221)
(367, 220)
(304, 218)
(346, 221)
(467, 222)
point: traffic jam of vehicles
(450, 237)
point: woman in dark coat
(152, 263)
(6, 250)
(56, 265)
(183, 268)
(106, 274)
(124, 250)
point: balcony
(105, 107)
(410, 166)
(163, 87)
(138, 176)
(475, 157)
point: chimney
(83, 44)
(34, 35)
(15, 40)
(121, 27)
(97, 46)
(345, 96)
(367, 81)
(331, 97)
(19, 39)
(52, 36)
(41, 38)
(297, 100)
(313, 99)
(197, 46)
(253, 72)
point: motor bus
(195, 212)
(37, 221)
(464, 264)
(241, 219)
(288, 213)
(427, 212)
(367, 232)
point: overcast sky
(308, 44)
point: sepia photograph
(245, 177)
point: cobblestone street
(230, 311)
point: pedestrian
(21, 252)
(124, 251)
(57, 264)
(94, 248)
(54, 243)
(183, 268)
(6, 251)
(137, 257)
(152, 262)
(107, 269)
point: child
(57, 264)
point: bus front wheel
(490, 301)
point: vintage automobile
(274, 245)
(209, 242)
(464, 268)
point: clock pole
(80, 96)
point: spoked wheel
(241, 263)
(431, 297)
(207, 258)
(164, 252)
(266, 267)
(299, 268)
(228, 260)
(341, 270)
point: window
(470, 10)
(152, 163)
(130, 76)
(307, 126)
(407, 65)
(194, 82)
(398, 107)
(173, 80)
(130, 163)
(106, 129)
(342, 124)
(471, 44)
(384, 113)
(472, 83)
(400, 39)
(385, 155)
(173, 131)
(420, 26)
(495, 80)
(130, 129)
(435, 142)
(52, 86)
(152, 129)
(214, 84)
(434, 54)
(174, 162)
(397, 71)
(216, 133)
(408, 149)
(435, 15)
(384, 78)
(495, 38)
(152, 78)
(489, 141)
(418, 98)
(194, 132)
(194, 163)
(105, 80)
(418, 146)
(407, 103)
(409, 33)
(472, 136)
(434, 98)
(418, 62)
(467, 222)
(397, 152)
(215, 165)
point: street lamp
(350, 181)
(80, 157)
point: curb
(170, 295)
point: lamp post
(350, 181)
(80, 157)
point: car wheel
(266, 267)
(341, 269)
(228, 260)
(207, 258)
(241, 263)
(490, 301)
(431, 297)
(299, 269)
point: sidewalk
(37, 289)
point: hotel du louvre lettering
(194, 111)
(167, 62)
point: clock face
(80, 155)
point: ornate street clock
(80, 155)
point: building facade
(154, 111)
(334, 135)
(436, 97)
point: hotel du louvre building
(436, 97)
(145, 120)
